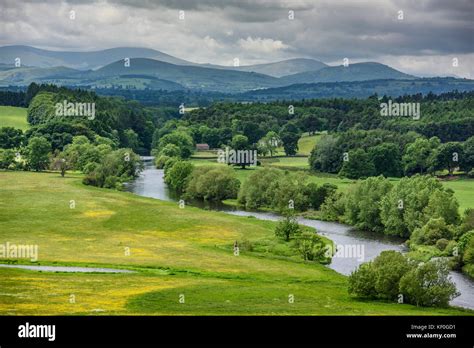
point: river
(364, 246)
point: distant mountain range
(152, 69)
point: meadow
(11, 116)
(173, 252)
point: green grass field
(11, 116)
(173, 251)
(305, 145)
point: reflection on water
(151, 184)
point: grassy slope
(11, 116)
(175, 251)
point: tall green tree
(38, 151)
(358, 165)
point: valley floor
(177, 254)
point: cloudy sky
(423, 39)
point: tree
(389, 267)
(269, 143)
(419, 155)
(288, 227)
(38, 150)
(177, 176)
(10, 138)
(467, 158)
(381, 277)
(326, 155)
(413, 201)
(289, 135)
(310, 123)
(432, 231)
(7, 158)
(386, 159)
(254, 191)
(447, 156)
(116, 167)
(428, 285)
(358, 165)
(310, 246)
(362, 281)
(60, 162)
(241, 143)
(363, 203)
(131, 140)
(289, 188)
(213, 183)
(179, 138)
(170, 150)
(318, 194)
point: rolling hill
(193, 77)
(285, 67)
(354, 72)
(35, 57)
(359, 89)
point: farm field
(173, 252)
(11, 116)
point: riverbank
(372, 244)
(173, 252)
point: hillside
(359, 89)
(189, 76)
(31, 56)
(285, 67)
(353, 72)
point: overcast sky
(431, 34)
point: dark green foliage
(212, 183)
(288, 227)
(358, 165)
(37, 153)
(428, 284)
(10, 138)
(177, 176)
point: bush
(389, 268)
(177, 176)
(362, 281)
(288, 227)
(363, 203)
(7, 158)
(318, 194)
(412, 202)
(310, 246)
(254, 192)
(37, 152)
(170, 150)
(430, 233)
(428, 284)
(442, 243)
(383, 274)
(333, 207)
(115, 168)
(212, 183)
(161, 161)
(111, 182)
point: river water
(359, 246)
